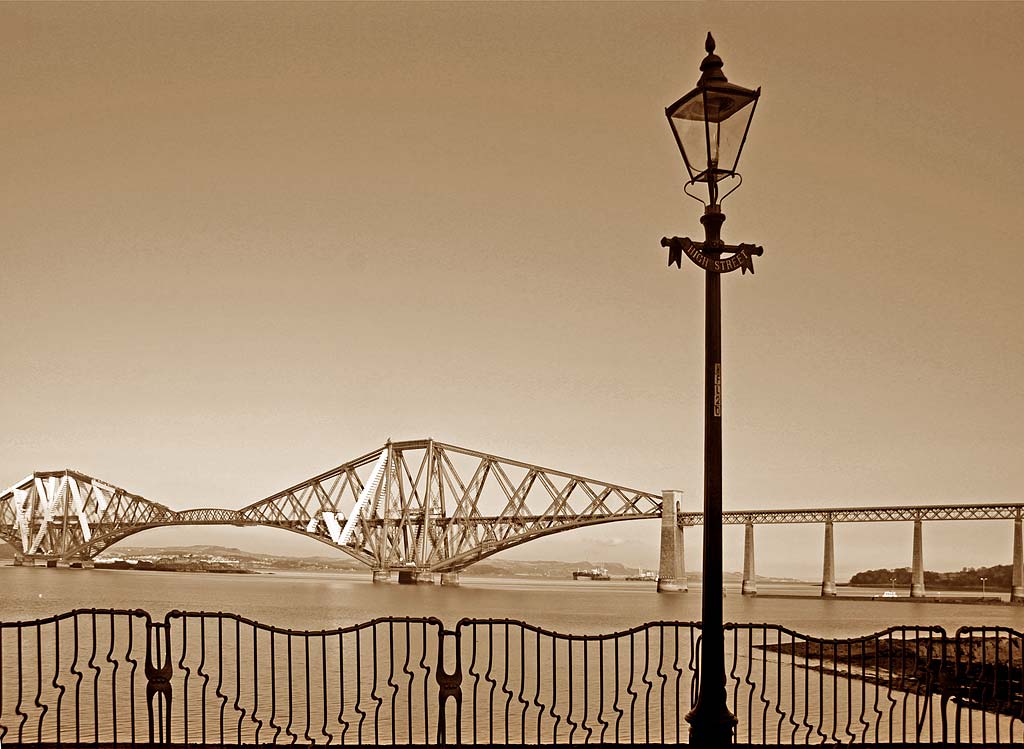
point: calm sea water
(234, 680)
(304, 600)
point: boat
(643, 576)
(596, 573)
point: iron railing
(119, 677)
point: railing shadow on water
(118, 677)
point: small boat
(597, 573)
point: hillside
(969, 578)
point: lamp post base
(711, 727)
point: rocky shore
(983, 671)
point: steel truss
(421, 505)
(439, 508)
(66, 514)
(1007, 511)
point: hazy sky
(244, 243)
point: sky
(244, 243)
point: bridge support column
(671, 569)
(917, 578)
(1017, 571)
(749, 587)
(88, 564)
(63, 564)
(450, 578)
(415, 577)
(382, 576)
(828, 570)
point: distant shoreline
(963, 600)
(227, 560)
(165, 567)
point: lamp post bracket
(742, 257)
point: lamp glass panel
(691, 136)
(726, 139)
(714, 148)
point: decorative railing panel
(117, 677)
(904, 685)
(524, 684)
(75, 678)
(237, 681)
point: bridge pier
(828, 571)
(32, 560)
(749, 587)
(917, 575)
(1017, 572)
(415, 577)
(450, 578)
(672, 566)
(382, 576)
(88, 564)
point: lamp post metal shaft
(711, 723)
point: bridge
(915, 514)
(419, 508)
(422, 508)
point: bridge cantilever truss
(424, 505)
(65, 514)
(419, 504)
(439, 508)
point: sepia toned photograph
(511, 373)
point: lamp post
(710, 125)
(983, 586)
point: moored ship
(644, 576)
(596, 573)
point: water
(310, 600)
(234, 680)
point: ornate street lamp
(710, 126)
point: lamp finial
(711, 66)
